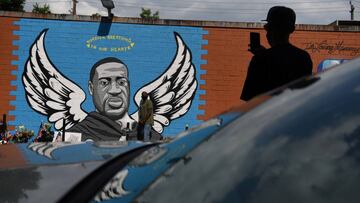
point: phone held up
(254, 41)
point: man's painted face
(110, 90)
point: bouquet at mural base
(45, 133)
(22, 135)
(5, 137)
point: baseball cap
(281, 17)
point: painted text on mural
(95, 43)
(331, 48)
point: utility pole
(352, 9)
(74, 7)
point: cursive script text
(336, 48)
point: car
(297, 143)
(43, 172)
(328, 63)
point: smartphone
(254, 40)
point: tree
(12, 5)
(146, 14)
(96, 15)
(45, 9)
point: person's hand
(256, 50)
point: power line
(242, 3)
(229, 9)
(131, 4)
(171, 3)
(224, 8)
(247, 11)
(239, 11)
(48, 2)
(220, 10)
(192, 7)
(205, 2)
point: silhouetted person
(280, 64)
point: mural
(51, 93)
(50, 70)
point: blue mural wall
(74, 47)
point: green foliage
(156, 15)
(147, 15)
(12, 5)
(45, 9)
(96, 15)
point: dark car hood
(43, 172)
(45, 183)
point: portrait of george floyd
(110, 88)
(49, 92)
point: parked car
(298, 143)
(328, 63)
(44, 172)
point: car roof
(302, 145)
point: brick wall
(6, 67)
(228, 59)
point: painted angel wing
(171, 93)
(48, 91)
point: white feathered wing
(171, 93)
(48, 91)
